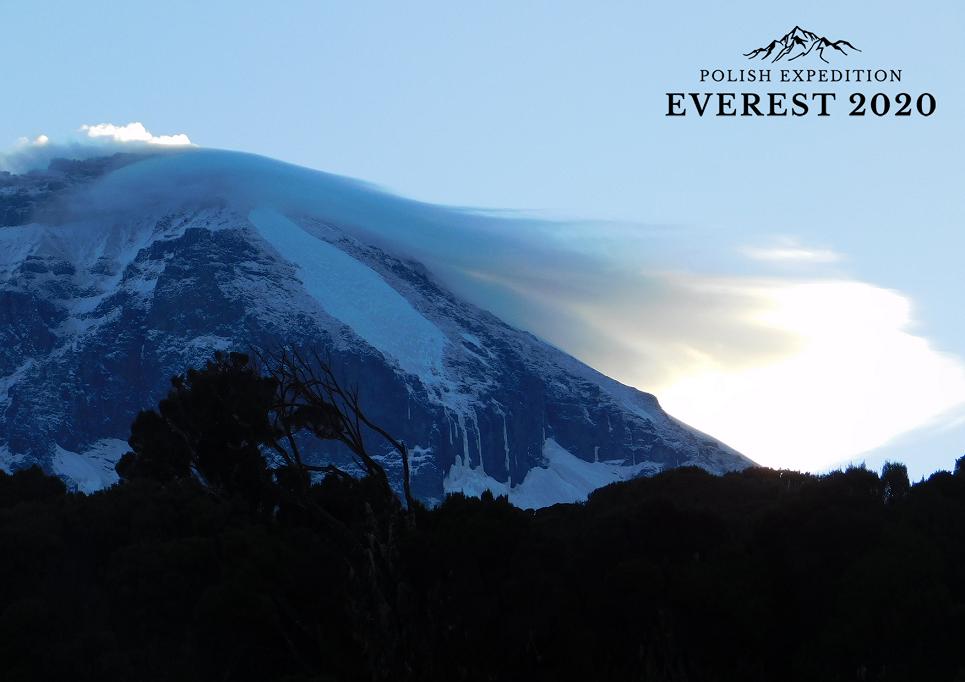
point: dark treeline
(207, 564)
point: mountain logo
(799, 43)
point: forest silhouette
(223, 554)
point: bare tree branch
(310, 396)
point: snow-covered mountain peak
(115, 274)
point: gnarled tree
(309, 396)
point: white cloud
(39, 141)
(86, 142)
(788, 250)
(792, 254)
(133, 132)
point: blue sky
(558, 107)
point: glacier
(357, 296)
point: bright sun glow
(857, 379)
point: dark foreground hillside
(757, 575)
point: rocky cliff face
(116, 274)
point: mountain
(117, 273)
(799, 43)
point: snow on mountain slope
(93, 469)
(123, 272)
(357, 296)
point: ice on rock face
(146, 267)
(561, 478)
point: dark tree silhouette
(210, 427)
(894, 481)
(213, 431)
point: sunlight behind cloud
(858, 379)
